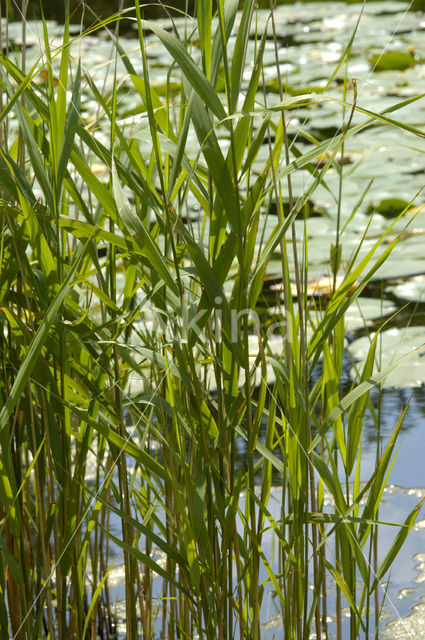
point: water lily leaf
(389, 207)
(412, 289)
(392, 61)
(396, 343)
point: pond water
(388, 62)
(54, 10)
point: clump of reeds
(127, 340)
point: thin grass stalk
(44, 568)
(242, 302)
(253, 593)
(375, 530)
(324, 587)
(99, 549)
(52, 506)
(18, 587)
(94, 550)
(335, 260)
(128, 535)
(67, 498)
(104, 545)
(291, 610)
(143, 590)
(304, 383)
(304, 379)
(3, 127)
(21, 143)
(232, 90)
(336, 249)
(286, 576)
(223, 613)
(147, 583)
(130, 577)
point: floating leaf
(389, 207)
(392, 61)
(395, 343)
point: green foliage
(118, 310)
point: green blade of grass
(204, 17)
(346, 402)
(357, 410)
(396, 546)
(191, 70)
(39, 340)
(217, 165)
(239, 52)
(135, 227)
(69, 128)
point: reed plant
(135, 362)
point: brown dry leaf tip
(44, 76)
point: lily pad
(365, 311)
(309, 210)
(392, 61)
(395, 344)
(406, 259)
(389, 207)
(412, 289)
